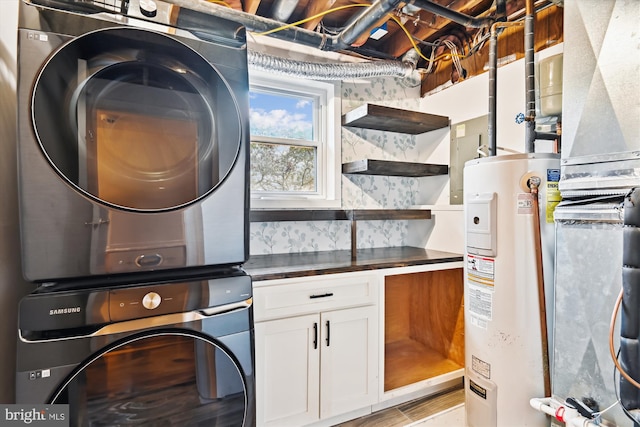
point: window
(295, 142)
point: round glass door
(159, 380)
(136, 119)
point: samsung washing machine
(133, 139)
(152, 353)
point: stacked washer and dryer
(133, 166)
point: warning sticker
(480, 301)
(525, 204)
(481, 367)
(480, 269)
(480, 281)
(477, 322)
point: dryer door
(136, 119)
(161, 379)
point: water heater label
(553, 193)
(479, 390)
(480, 302)
(525, 204)
(481, 367)
(480, 269)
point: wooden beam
(313, 8)
(251, 6)
(548, 31)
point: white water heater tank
(503, 348)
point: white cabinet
(287, 371)
(348, 357)
(316, 348)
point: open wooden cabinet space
(424, 326)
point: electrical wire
(310, 18)
(599, 413)
(221, 2)
(326, 12)
(454, 56)
(615, 390)
(612, 326)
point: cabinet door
(349, 369)
(287, 371)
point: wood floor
(410, 412)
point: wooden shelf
(378, 117)
(273, 215)
(337, 214)
(393, 168)
(418, 362)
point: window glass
(282, 168)
(295, 149)
(282, 116)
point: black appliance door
(136, 119)
(157, 379)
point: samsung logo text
(66, 310)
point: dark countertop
(283, 266)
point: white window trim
(329, 154)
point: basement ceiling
(416, 24)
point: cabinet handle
(315, 335)
(328, 332)
(328, 294)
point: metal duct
(354, 28)
(458, 17)
(282, 9)
(339, 71)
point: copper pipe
(534, 184)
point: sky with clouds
(281, 116)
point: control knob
(151, 300)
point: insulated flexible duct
(630, 314)
(340, 71)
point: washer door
(161, 380)
(136, 119)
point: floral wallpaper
(358, 191)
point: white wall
(464, 101)
(12, 286)
(470, 99)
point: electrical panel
(468, 139)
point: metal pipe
(493, 88)
(493, 83)
(360, 23)
(458, 17)
(256, 23)
(530, 82)
(501, 12)
(282, 9)
(356, 26)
